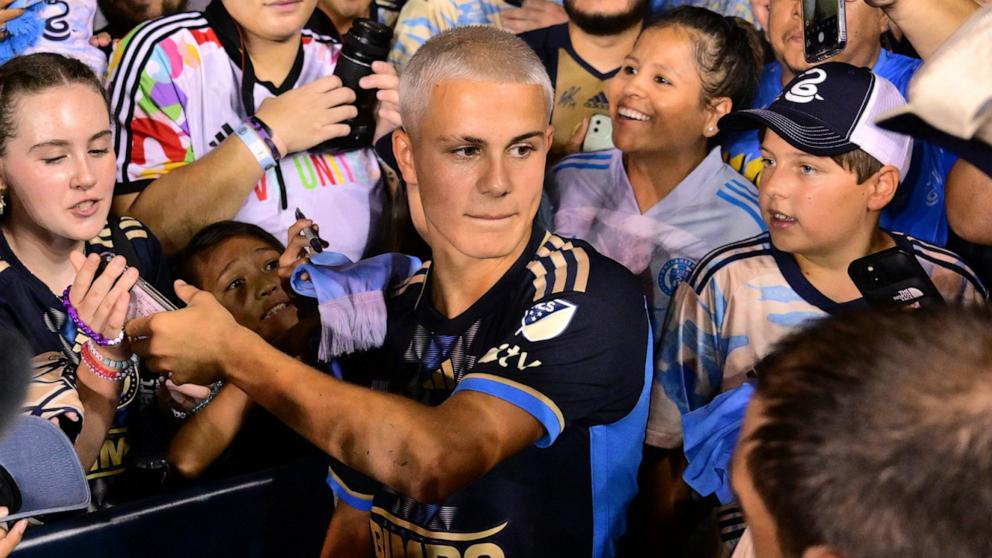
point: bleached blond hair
(475, 53)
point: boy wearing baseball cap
(829, 172)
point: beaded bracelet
(214, 390)
(95, 336)
(103, 367)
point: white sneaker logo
(805, 90)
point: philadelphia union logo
(674, 272)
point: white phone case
(599, 136)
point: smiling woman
(56, 182)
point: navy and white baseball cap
(39, 470)
(831, 109)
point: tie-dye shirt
(740, 300)
(176, 94)
(712, 206)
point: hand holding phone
(145, 299)
(893, 277)
(824, 29)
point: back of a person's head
(212, 236)
(728, 51)
(473, 53)
(33, 73)
(875, 435)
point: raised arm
(926, 23)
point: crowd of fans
(636, 313)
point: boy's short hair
(830, 110)
(213, 235)
(863, 165)
(875, 435)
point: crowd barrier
(280, 512)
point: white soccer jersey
(741, 299)
(712, 206)
(176, 93)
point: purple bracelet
(87, 330)
(264, 132)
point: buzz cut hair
(475, 53)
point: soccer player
(829, 173)
(868, 437)
(507, 406)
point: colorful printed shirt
(918, 207)
(178, 90)
(580, 89)
(712, 206)
(68, 30)
(740, 300)
(562, 335)
(29, 307)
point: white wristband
(257, 146)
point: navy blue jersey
(30, 308)
(564, 336)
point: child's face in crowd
(268, 20)
(656, 99)
(476, 169)
(58, 170)
(812, 205)
(241, 272)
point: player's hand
(574, 144)
(387, 115)
(10, 539)
(101, 301)
(192, 344)
(533, 14)
(310, 114)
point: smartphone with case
(893, 277)
(599, 136)
(145, 299)
(824, 29)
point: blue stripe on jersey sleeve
(749, 209)
(527, 398)
(738, 187)
(615, 455)
(582, 166)
(357, 500)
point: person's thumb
(185, 291)
(574, 144)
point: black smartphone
(824, 29)
(145, 299)
(515, 3)
(893, 277)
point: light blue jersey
(712, 206)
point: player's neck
(654, 175)
(828, 271)
(603, 52)
(272, 60)
(45, 255)
(459, 281)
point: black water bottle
(366, 42)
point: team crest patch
(547, 320)
(674, 272)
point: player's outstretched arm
(424, 452)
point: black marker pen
(313, 239)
